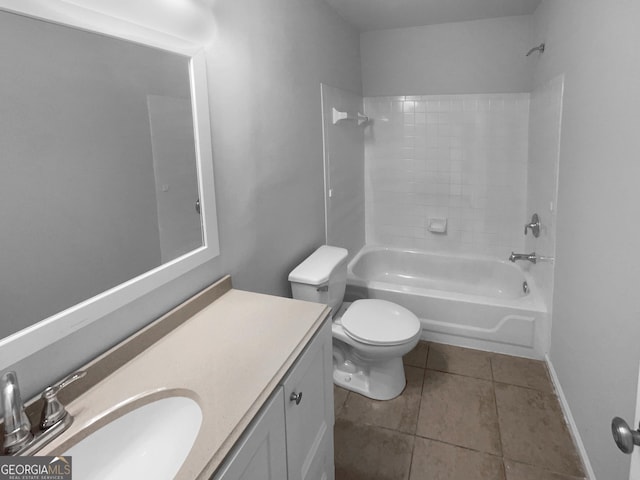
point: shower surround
(460, 157)
(483, 162)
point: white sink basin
(151, 441)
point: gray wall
(265, 74)
(265, 69)
(482, 56)
(596, 312)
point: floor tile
(367, 453)
(533, 430)
(401, 413)
(521, 371)
(463, 361)
(519, 471)
(418, 356)
(439, 461)
(468, 409)
(459, 410)
(339, 398)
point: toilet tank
(322, 277)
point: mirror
(107, 184)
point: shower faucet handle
(534, 225)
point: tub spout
(523, 256)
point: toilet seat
(378, 322)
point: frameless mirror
(107, 183)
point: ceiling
(383, 14)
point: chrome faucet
(18, 439)
(17, 427)
(523, 256)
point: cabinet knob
(296, 397)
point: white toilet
(369, 336)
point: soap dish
(437, 225)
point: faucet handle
(534, 225)
(53, 411)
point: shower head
(539, 48)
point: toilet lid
(378, 322)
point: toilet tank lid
(317, 267)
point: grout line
(544, 469)
(459, 446)
(426, 362)
(424, 381)
(493, 378)
(495, 399)
(459, 374)
(528, 388)
(340, 408)
(495, 402)
(413, 449)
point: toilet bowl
(369, 336)
(369, 341)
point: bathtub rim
(531, 301)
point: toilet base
(380, 381)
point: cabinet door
(309, 423)
(261, 452)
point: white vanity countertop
(229, 357)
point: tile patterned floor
(464, 415)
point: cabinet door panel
(309, 423)
(261, 453)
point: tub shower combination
(469, 301)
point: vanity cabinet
(261, 453)
(309, 419)
(292, 436)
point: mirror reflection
(99, 177)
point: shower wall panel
(459, 157)
(343, 170)
(542, 178)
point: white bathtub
(476, 302)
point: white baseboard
(573, 428)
